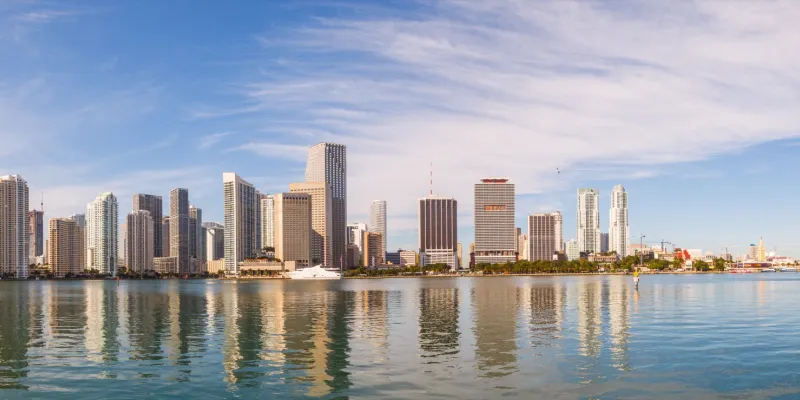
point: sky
(691, 105)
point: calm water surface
(734, 336)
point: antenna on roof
(42, 209)
(431, 178)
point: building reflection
(14, 336)
(495, 308)
(148, 323)
(590, 314)
(619, 323)
(543, 305)
(370, 324)
(438, 324)
(230, 343)
(272, 328)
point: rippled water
(705, 336)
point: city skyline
(628, 127)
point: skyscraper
(559, 219)
(618, 231)
(373, 254)
(36, 231)
(267, 222)
(321, 203)
(541, 237)
(495, 233)
(239, 198)
(14, 226)
(140, 236)
(154, 204)
(102, 229)
(327, 162)
(438, 231)
(66, 252)
(293, 227)
(588, 220)
(179, 228)
(604, 243)
(165, 246)
(215, 241)
(377, 219)
(196, 234)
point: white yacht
(317, 272)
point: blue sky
(691, 105)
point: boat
(768, 270)
(787, 269)
(316, 272)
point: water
(704, 336)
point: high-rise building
(179, 228)
(438, 231)
(604, 243)
(165, 245)
(541, 237)
(240, 221)
(267, 224)
(102, 229)
(140, 237)
(460, 254)
(327, 162)
(352, 256)
(373, 253)
(14, 226)
(588, 220)
(572, 249)
(559, 230)
(618, 231)
(122, 246)
(79, 219)
(65, 253)
(259, 247)
(523, 245)
(293, 229)
(153, 204)
(196, 235)
(321, 202)
(36, 241)
(495, 233)
(215, 241)
(377, 219)
(517, 249)
(355, 233)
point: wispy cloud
(44, 15)
(274, 150)
(520, 88)
(212, 139)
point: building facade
(408, 258)
(36, 241)
(523, 245)
(559, 231)
(495, 233)
(327, 162)
(355, 234)
(267, 223)
(140, 237)
(215, 241)
(588, 220)
(240, 203)
(166, 265)
(438, 231)
(102, 229)
(179, 228)
(66, 254)
(572, 249)
(165, 250)
(373, 253)
(154, 205)
(14, 226)
(293, 229)
(618, 231)
(321, 207)
(377, 219)
(604, 243)
(196, 236)
(541, 237)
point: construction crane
(663, 242)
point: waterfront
(520, 337)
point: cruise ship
(317, 272)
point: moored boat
(768, 270)
(316, 272)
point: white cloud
(519, 88)
(212, 139)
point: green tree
(701, 265)
(677, 263)
(719, 264)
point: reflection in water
(438, 324)
(590, 318)
(398, 338)
(495, 310)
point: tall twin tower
(588, 221)
(254, 220)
